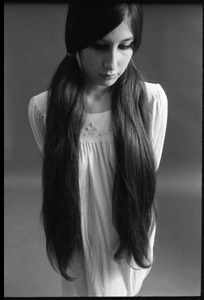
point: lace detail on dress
(93, 131)
(97, 128)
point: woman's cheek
(126, 58)
(125, 64)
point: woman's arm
(159, 112)
(36, 115)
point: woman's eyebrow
(127, 40)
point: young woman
(101, 130)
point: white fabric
(101, 275)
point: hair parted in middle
(133, 209)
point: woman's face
(105, 61)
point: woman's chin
(107, 82)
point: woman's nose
(110, 62)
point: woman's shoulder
(155, 91)
(156, 96)
(39, 102)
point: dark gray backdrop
(170, 54)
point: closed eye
(105, 47)
(125, 46)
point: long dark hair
(134, 183)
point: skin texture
(110, 55)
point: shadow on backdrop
(170, 54)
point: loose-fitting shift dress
(101, 275)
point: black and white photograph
(102, 149)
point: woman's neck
(97, 99)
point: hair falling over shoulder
(133, 210)
(134, 184)
(60, 212)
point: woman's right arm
(36, 118)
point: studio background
(170, 54)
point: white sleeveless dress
(100, 274)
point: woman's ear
(78, 59)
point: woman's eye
(104, 47)
(124, 47)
